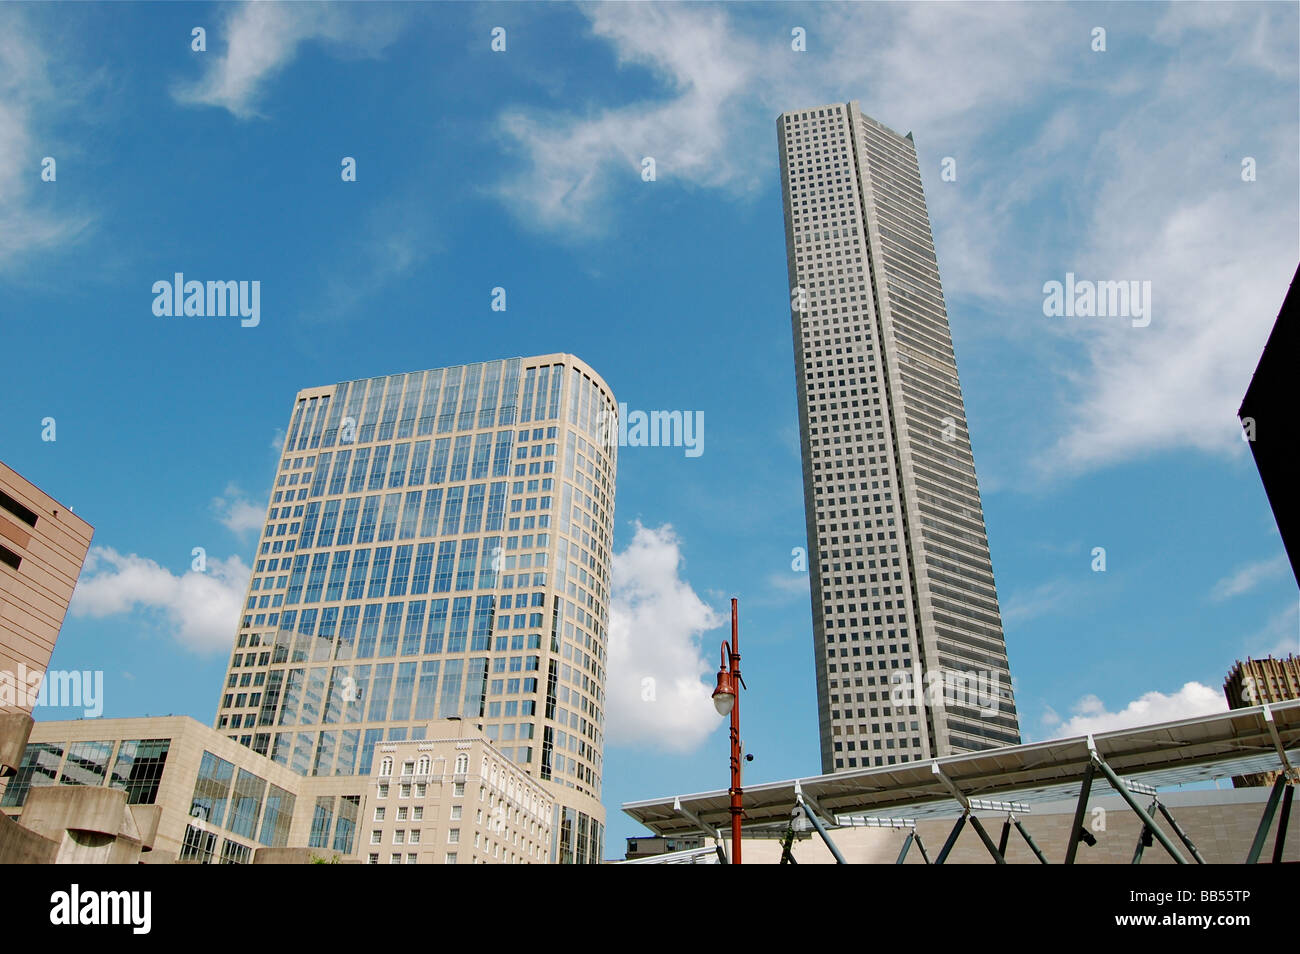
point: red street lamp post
(726, 699)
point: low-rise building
(453, 798)
(649, 846)
(192, 795)
(195, 795)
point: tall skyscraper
(903, 599)
(437, 545)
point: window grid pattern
(901, 578)
(435, 544)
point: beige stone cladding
(244, 802)
(43, 545)
(453, 798)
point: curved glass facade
(437, 545)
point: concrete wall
(89, 825)
(15, 727)
(19, 846)
(162, 825)
(34, 597)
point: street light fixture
(726, 699)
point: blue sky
(521, 169)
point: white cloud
(777, 590)
(573, 161)
(1280, 636)
(237, 512)
(396, 238)
(1113, 166)
(1050, 717)
(1024, 605)
(1167, 204)
(1248, 577)
(792, 583)
(263, 38)
(28, 101)
(1091, 715)
(724, 79)
(1268, 44)
(200, 610)
(659, 682)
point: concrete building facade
(194, 794)
(650, 846)
(437, 545)
(453, 798)
(910, 658)
(169, 789)
(43, 545)
(1257, 681)
(72, 825)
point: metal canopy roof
(1236, 742)
(708, 855)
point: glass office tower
(911, 661)
(437, 545)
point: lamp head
(724, 696)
